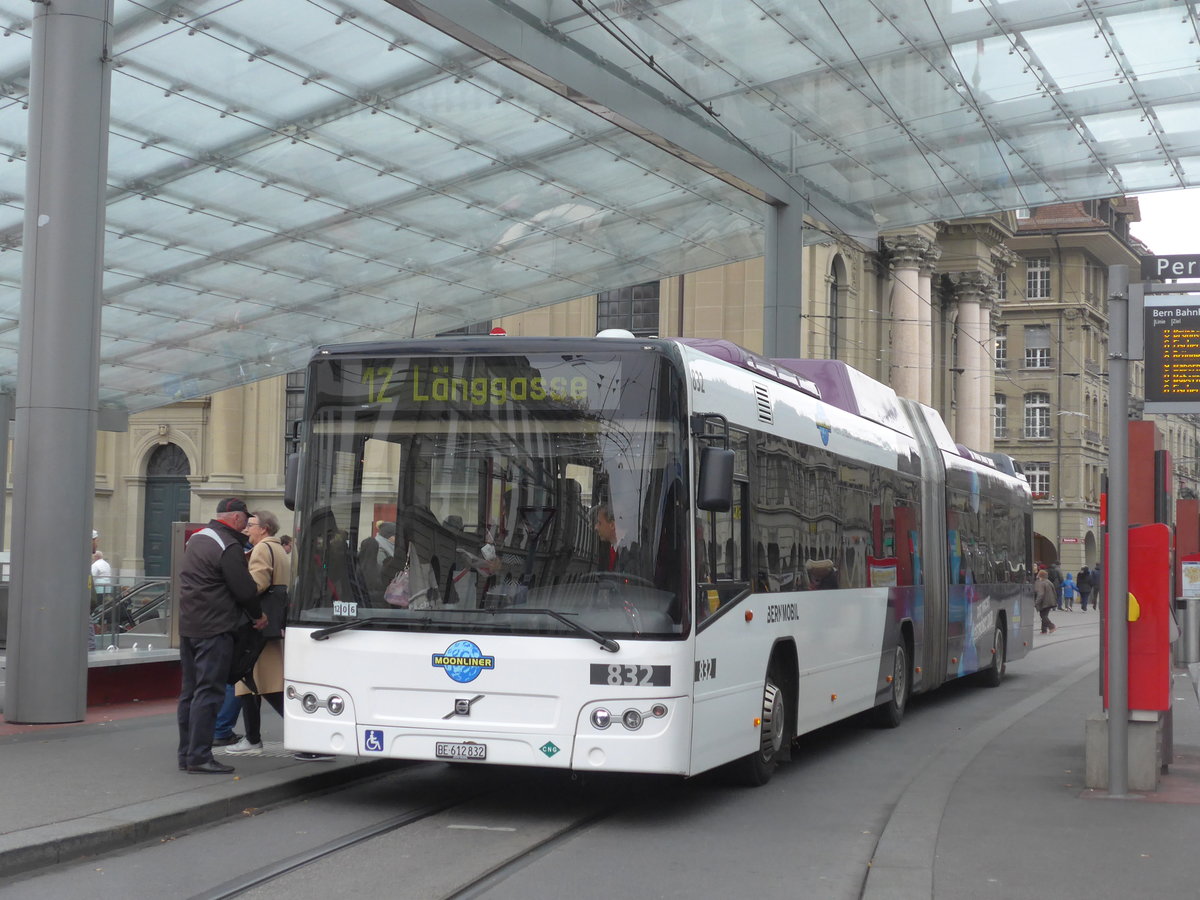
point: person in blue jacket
(1068, 592)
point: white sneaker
(245, 748)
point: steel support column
(1116, 598)
(783, 270)
(57, 382)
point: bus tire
(890, 713)
(994, 674)
(757, 768)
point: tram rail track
(245, 882)
(463, 805)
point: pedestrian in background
(1054, 573)
(215, 591)
(1083, 584)
(1068, 592)
(1044, 600)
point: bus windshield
(519, 493)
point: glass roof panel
(286, 174)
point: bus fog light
(632, 719)
(335, 704)
(658, 710)
(309, 703)
(601, 718)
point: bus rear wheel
(994, 674)
(890, 713)
(757, 768)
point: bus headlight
(309, 703)
(631, 719)
(335, 704)
(601, 718)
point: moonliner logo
(825, 431)
(463, 661)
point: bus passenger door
(729, 669)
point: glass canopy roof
(285, 173)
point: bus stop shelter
(198, 193)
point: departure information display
(1172, 335)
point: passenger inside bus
(822, 574)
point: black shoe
(212, 767)
(226, 741)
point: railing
(1038, 433)
(125, 610)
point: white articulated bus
(619, 554)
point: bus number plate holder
(446, 750)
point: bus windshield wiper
(606, 642)
(322, 634)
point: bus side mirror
(290, 478)
(714, 492)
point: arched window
(168, 460)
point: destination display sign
(1172, 336)
(1160, 268)
(477, 383)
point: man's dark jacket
(215, 585)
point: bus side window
(729, 540)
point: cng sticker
(549, 749)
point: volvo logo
(462, 706)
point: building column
(907, 253)
(928, 337)
(974, 326)
(226, 433)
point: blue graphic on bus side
(373, 740)
(463, 661)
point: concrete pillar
(57, 380)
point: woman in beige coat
(270, 566)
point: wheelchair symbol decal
(373, 740)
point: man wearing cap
(215, 590)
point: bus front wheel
(757, 768)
